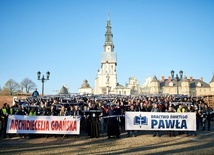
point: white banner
(43, 124)
(160, 121)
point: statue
(107, 78)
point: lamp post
(177, 78)
(43, 79)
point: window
(183, 84)
(199, 84)
(170, 84)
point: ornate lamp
(172, 74)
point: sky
(66, 38)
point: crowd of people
(106, 113)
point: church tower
(106, 79)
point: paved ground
(144, 143)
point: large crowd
(105, 106)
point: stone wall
(6, 99)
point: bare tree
(28, 85)
(11, 87)
(5, 91)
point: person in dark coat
(113, 122)
(131, 132)
(122, 118)
(93, 130)
(190, 109)
(206, 117)
(77, 111)
(53, 110)
(156, 109)
(171, 110)
(35, 94)
(20, 111)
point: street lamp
(177, 77)
(43, 79)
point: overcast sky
(66, 37)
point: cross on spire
(108, 15)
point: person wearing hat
(113, 121)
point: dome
(85, 84)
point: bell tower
(106, 79)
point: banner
(160, 121)
(43, 124)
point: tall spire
(108, 34)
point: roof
(193, 84)
(185, 79)
(108, 34)
(63, 90)
(85, 84)
(154, 79)
(119, 86)
(212, 80)
(199, 83)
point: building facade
(134, 86)
(106, 79)
(121, 90)
(184, 86)
(85, 88)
